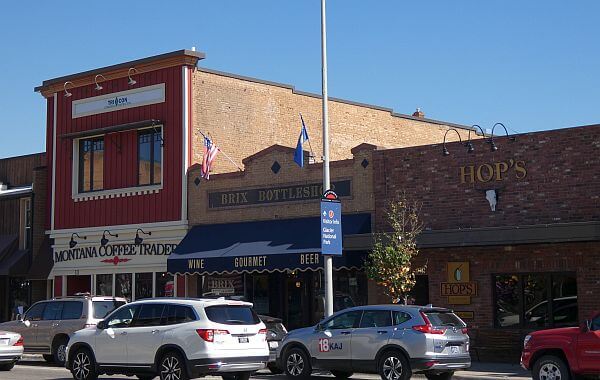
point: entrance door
(79, 284)
(297, 302)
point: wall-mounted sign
(331, 224)
(459, 289)
(495, 171)
(137, 97)
(107, 253)
(293, 193)
(465, 314)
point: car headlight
(526, 340)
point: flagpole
(326, 183)
(223, 153)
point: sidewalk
(481, 370)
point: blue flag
(299, 153)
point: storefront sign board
(291, 193)
(142, 96)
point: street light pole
(326, 182)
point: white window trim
(114, 193)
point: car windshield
(102, 308)
(232, 314)
(438, 318)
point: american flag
(210, 153)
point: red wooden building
(118, 148)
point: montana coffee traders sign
(292, 193)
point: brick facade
(542, 181)
(258, 174)
(245, 115)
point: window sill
(117, 193)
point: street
(34, 368)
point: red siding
(49, 155)
(120, 156)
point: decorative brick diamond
(197, 181)
(364, 163)
(275, 167)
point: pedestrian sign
(331, 224)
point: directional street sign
(331, 225)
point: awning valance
(265, 246)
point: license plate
(454, 349)
(4, 342)
(273, 344)
(243, 339)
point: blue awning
(265, 246)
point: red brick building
(511, 236)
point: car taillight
(428, 329)
(263, 332)
(464, 330)
(19, 342)
(209, 334)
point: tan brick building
(245, 115)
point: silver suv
(392, 340)
(47, 325)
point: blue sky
(533, 65)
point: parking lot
(33, 367)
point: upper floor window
(150, 156)
(25, 227)
(91, 164)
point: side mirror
(101, 325)
(26, 322)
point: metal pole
(326, 184)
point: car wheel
(550, 368)
(274, 369)
(341, 374)
(59, 351)
(439, 375)
(6, 367)
(83, 366)
(48, 358)
(296, 364)
(394, 366)
(172, 367)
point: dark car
(275, 333)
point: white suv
(174, 338)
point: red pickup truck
(563, 353)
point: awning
(265, 246)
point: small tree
(390, 264)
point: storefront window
(536, 300)
(18, 296)
(123, 285)
(165, 285)
(223, 286)
(91, 164)
(143, 285)
(104, 284)
(507, 300)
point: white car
(174, 338)
(11, 349)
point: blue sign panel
(331, 227)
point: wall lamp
(98, 87)
(445, 150)
(138, 240)
(493, 146)
(469, 144)
(104, 239)
(73, 242)
(131, 81)
(67, 93)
